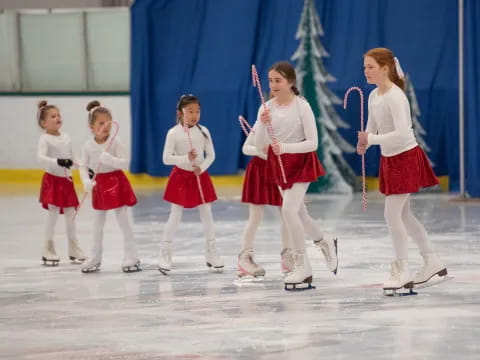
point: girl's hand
(363, 137)
(192, 155)
(196, 169)
(277, 149)
(361, 148)
(265, 117)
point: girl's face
(52, 121)
(279, 85)
(190, 114)
(373, 72)
(99, 122)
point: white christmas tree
(312, 79)
(418, 129)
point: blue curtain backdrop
(206, 47)
(472, 97)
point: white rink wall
(20, 131)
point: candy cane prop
(117, 126)
(256, 83)
(199, 183)
(364, 193)
(244, 125)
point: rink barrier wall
(33, 176)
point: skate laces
(299, 260)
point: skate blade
(131, 269)
(76, 261)
(249, 278)
(164, 271)
(434, 280)
(304, 285)
(50, 263)
(92, 269)
(299, 287)
(398, 293)
(215, 269)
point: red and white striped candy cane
(109, 145)
(243, 123)
(256, 82)
(199, 183)
(364, 192)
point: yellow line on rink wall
(34, 176)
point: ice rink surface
(60, 313)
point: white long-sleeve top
(92, 151)
(293, 125)
(249, 147)
(52, 147)
(177, 146)
(389, 122)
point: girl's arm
(42, 151)
(169, 157)
(84, 160)
(119, 160)
(248, 147)
(209, 151)
(311, 137)
(261, 138)
(401, 122)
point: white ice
(59, 313)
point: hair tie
(400, 73)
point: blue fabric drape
(472, 98)
(206, 47)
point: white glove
(88, 185)
(106, 158)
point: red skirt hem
(182, 188)
(405, 173)
(300, 167)
(112, 191)
(57, 191)
(258, 185)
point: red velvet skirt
(113, 190)
(405, 173)
(258, 185)
(58, 191)
(304, 167)
(182, 188)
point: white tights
(53, 212)
(175, 218)
(125, 225)
(311, 228)
(402, 223)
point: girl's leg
(432, 263)
(130, 259)
(49, 255)
(254, 219)
(415, 229)
(326, 243)
(211, 254)
(394, 205)
(74, 252)
(400, 275)
(246, 266)
(93, 262)
(287, 254)
(174, 219)
(292, 201)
